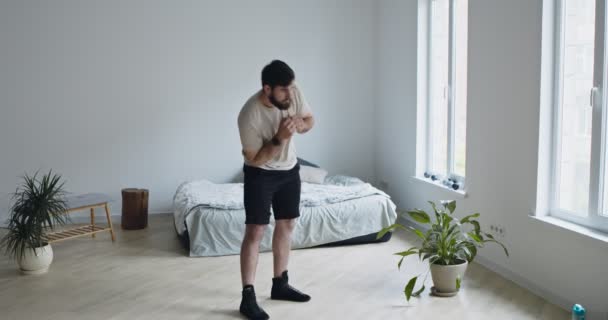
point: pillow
(303, 162)
(340, 180)
(312, 175)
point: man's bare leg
(281, 244)
(250, 251)
(281, 247)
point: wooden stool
(134, 209)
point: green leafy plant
(38, 206)
(448, 240)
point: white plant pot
(36, 261)
(444, 277)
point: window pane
(460, 85)
(574, 156)
(439, 64)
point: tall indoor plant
(448, 244)
(38, 206)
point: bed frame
(184, 239)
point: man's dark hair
(277, 73)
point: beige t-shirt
(259, 123)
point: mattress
(217, 228)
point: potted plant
(449, 245)
(38, 206)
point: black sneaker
(249, 306)
(281, 290)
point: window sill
(566, 225)
(459, 193)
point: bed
(210, 218)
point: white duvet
(342, 208)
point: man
(267, 123)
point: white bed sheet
(341, 208)
(218, 232)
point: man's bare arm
(259, 157)
(271, 148)
(306, 123)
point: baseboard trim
(82, 218)
(101, 218)
(524, 282)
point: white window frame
(425, 11)
(595, 218)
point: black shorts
(279, 188)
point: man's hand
(300, 125)
(303, 125)
(286, 129)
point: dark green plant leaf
(409, 288)
(446, 221)
(434, 206)
(388, 229)
(407, 252)
(420, 216)
(502, 245)
(467, 218)
(473, 252)
(450, 205)
(400, 262)
(458, 283)
(419, 234)
(476, 225)
(417, 293)
(453, 231)
(475, 237)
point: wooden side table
(134, 209)
(90, 201)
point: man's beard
(281, 106)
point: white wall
(502, 143)
(395, 147)
(116, 94)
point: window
(444, 104)
(578, 190)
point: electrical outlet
(498, 230)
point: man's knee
(285, 225)
(254, 232)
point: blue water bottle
(578, 312)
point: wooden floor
(145, 274)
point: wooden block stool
(134, 209)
